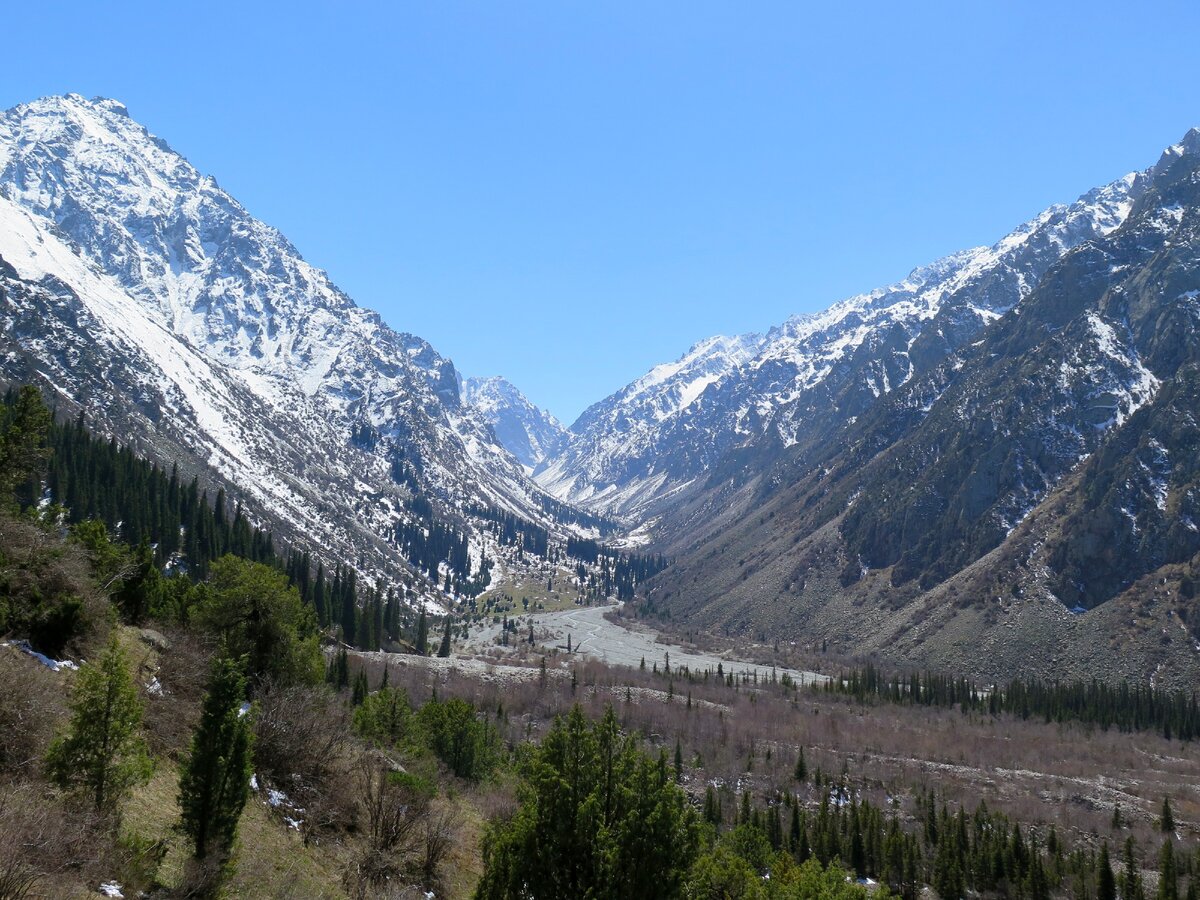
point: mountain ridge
(312, 405)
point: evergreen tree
(801, 771)
(261, 618)
(444, 649)
(102, 752)
(361, 689)
(1168, 888)
(24, 426)
(1167, 820)
(215, 783)
(422, 634)
(1131, 877)
(598, 818)
(1106, 884)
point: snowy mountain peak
(526, 431)
(637, 449)
(250, 356)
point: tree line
(1124, 706)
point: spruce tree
(1167, 873)
(215, 783)
(1106, 884)
(361, 688)
(24, 426)
(1131, 877)
(102, 752)
(444, 649)
(1167, 820)
(422, 634)
(801, 771)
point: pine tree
(1167, 875)
(422, 634)
(215, 783)
(678, 762)
(1167, 820)
(801, 772)
(444, 650)
(361, 688)
(1105, 883)
(102, 752)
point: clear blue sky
(568, 193)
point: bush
(385, 718)
(30, 705)
(466, 745)
(46, 589)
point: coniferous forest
(245, 704)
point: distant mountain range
(992, 465)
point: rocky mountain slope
(145, 294)
(634, 453)
(529, 433)
(1028, 503)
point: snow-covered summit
(638, 448)
(346, 414)
(527, 431)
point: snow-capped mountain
(528, 432)
(184, 321)
(634, 452)
(593, 467)
(1029, 504)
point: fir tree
(102, 752)
(444, 649)
(1105, 883)
(216, 778)
(1167, 820)
(422, 634)
(801, 771)
(1168, 888)
(360, 688)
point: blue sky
(568, 193)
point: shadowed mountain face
(1048, 465)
